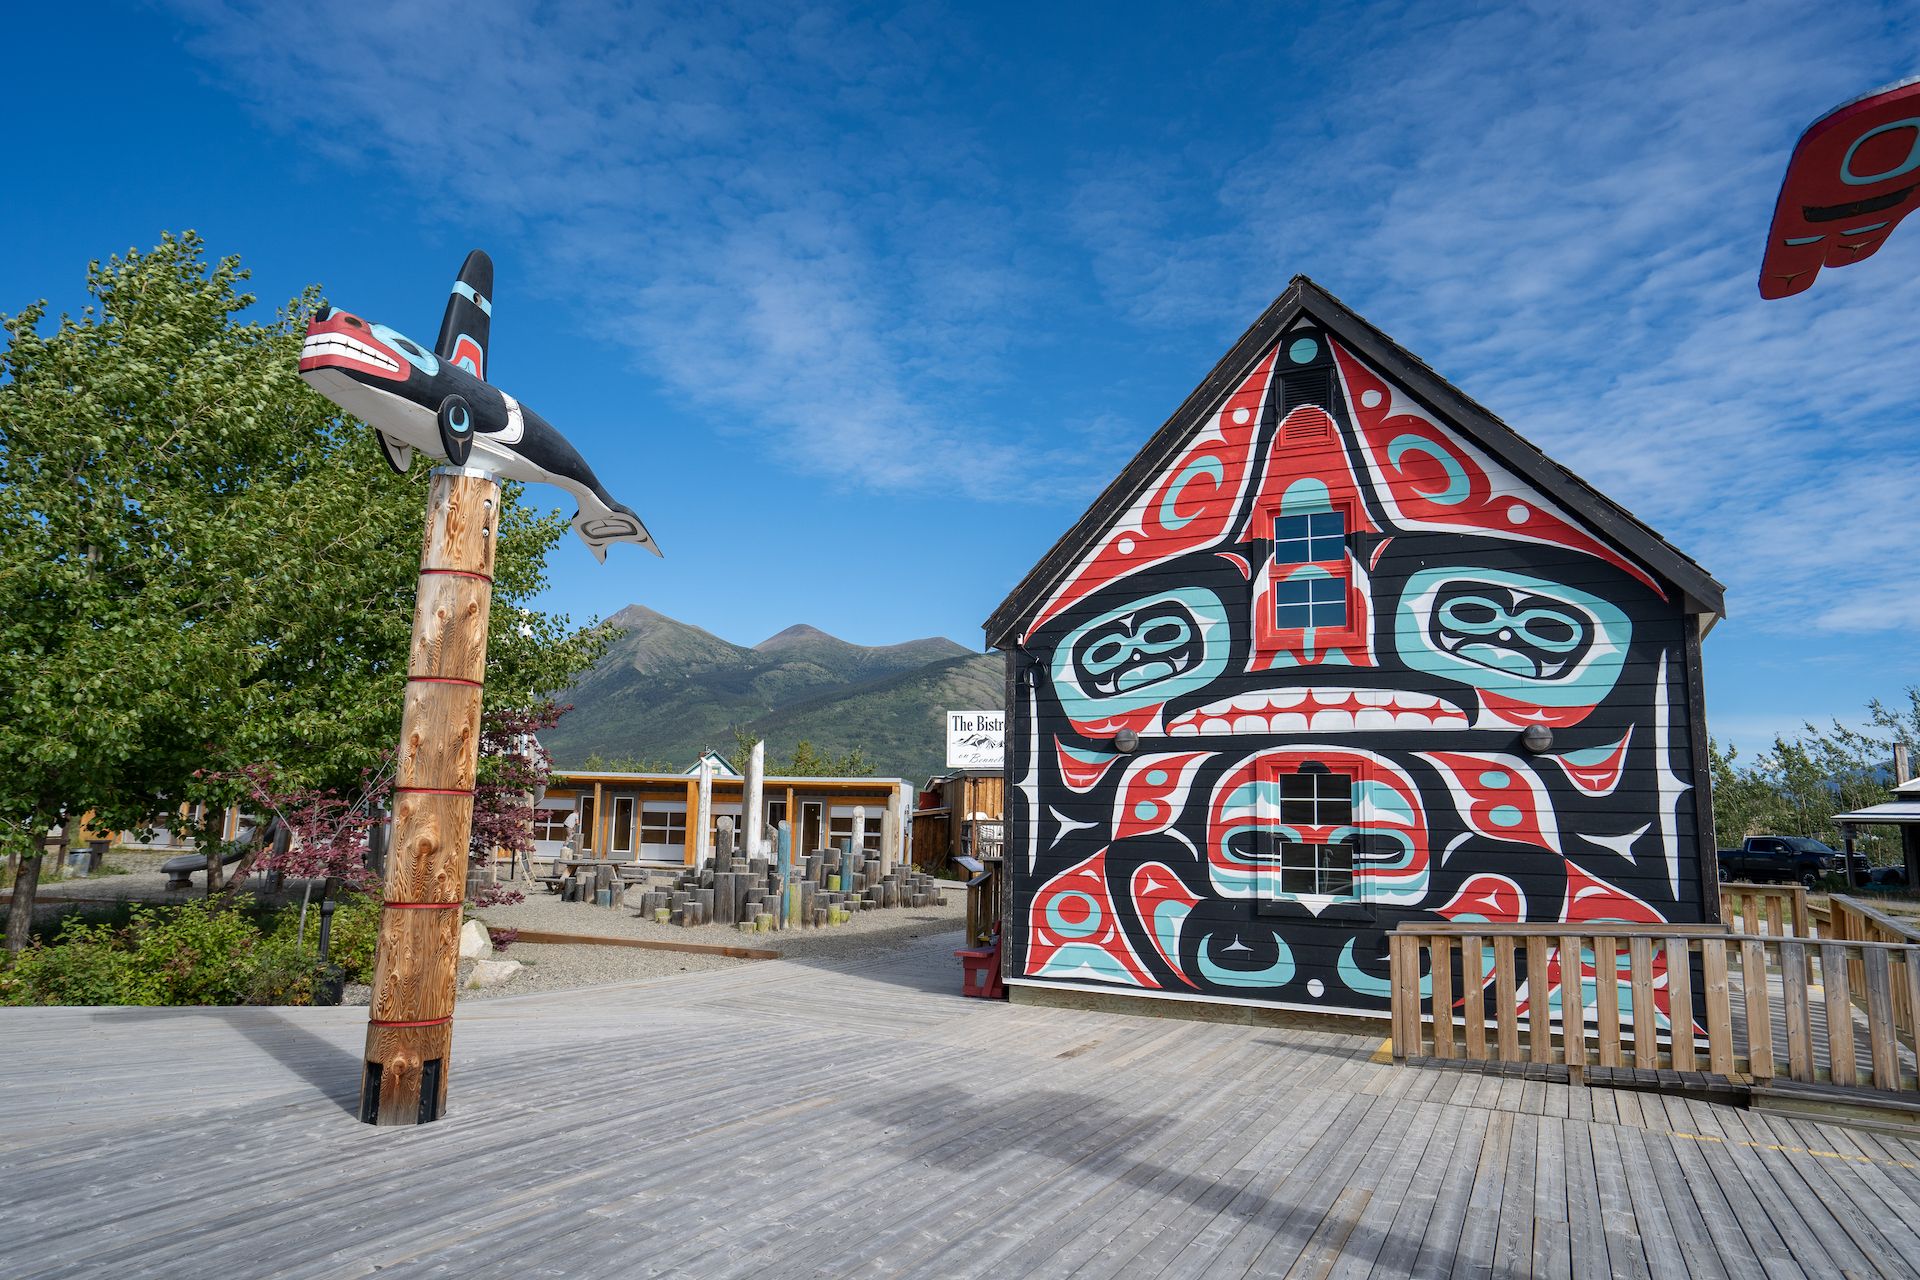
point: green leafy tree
(1798, 784)
(203, 565)
(807, 760)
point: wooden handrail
(1851, 918)
(1778, 910)
(1659, 997)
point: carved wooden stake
(410, 1026)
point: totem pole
(439, 403)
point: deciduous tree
(203, 565)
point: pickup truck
(1784, 858)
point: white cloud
(759, 203)
(1563, 210)
(795, 222)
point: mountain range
(666, 690)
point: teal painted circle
(1494, 780)
(1146, 811)
(1303, 350)
(1505, 816)
(1158, 778)
(1058, 922)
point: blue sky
(860, 307)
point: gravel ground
(546, 912)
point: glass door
(622, 838)
(813, 821)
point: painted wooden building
(657, 817)
(1336, 650)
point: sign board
(974, 739)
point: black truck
(1784, 858)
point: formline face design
(1329, 618)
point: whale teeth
(1324, 709)
(340, 344)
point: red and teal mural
(1336, 664)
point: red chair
(980, 975)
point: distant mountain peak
(795, 634)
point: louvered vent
(1307, 428)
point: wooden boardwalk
(777, 1119)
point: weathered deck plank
(782, 1119)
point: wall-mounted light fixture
(1537, 738)
(1127, 741)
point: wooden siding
(1123, 858)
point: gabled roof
(1700, 593)
(722, 767)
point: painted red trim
(439, 791)
(419, 906)
(471, 684)
(460, 573)
(421, 1022)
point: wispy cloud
(769, 207)
(808, 222)
(1563, 209)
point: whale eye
(417, 356)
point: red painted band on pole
(461, 573)
(439, 791)
(471, 684)
(419, 906)
(424, 1022)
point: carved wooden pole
(410, 1026)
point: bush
(197, 953)
(356, 927)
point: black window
(1296, 864)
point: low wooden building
(1338, 649)
(657, 817)
(958, 813)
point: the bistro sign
(974, 739)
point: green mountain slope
(667, 690)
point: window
(551, 824)
(1310, 571)
(664, 830)
(841, 828)
(776, 813)
(1303, 859)
(1308, 871)
(1316, 799)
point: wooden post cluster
(820, 888)
(410, 1024)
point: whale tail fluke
(615, 523)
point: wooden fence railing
(1777, 910)
(1762, 1007)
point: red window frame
(1269, 635)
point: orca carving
(438, 402)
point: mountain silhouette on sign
(667, 690)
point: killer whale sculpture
(438, 402)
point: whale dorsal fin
(469, 320)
